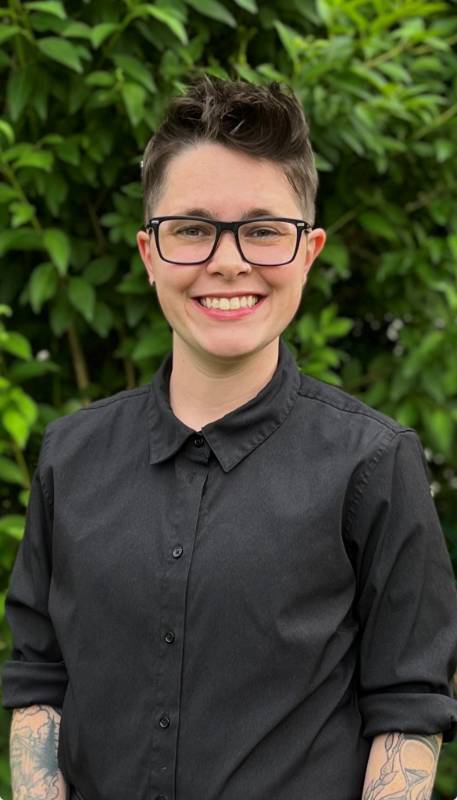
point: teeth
(225, 303)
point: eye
(261, 232)
(193, 231)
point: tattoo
(399, 779)
(33, 753)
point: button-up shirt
(233, 612)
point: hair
(261, 121)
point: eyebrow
(252, 212)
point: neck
(204, 389)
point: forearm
(402, 766)
(34, 738)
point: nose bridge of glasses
(230, 228)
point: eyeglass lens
(264, 242)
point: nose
(226, 259)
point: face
(226, 185)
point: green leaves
(166, 15)
(82, 296)
(57, 244)
(43, 285)
(101, 32)
(61, 51)
(19, 89)
(134, 97)
(53, 7)
(214, 10)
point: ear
(144, 248)
(315, 244)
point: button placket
(174, 580)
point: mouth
(234, 303)
(229, 308)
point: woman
(232, 578)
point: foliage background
(83, 85)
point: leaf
(43, 285)
(7, 131)
(15, 424)
(131, 284)
(12, 525)
(25, 239)
(440, 427)
(7, 31)
(100, 270)
(103, 319)
(136, 70)
(213, 9)
(324, 9)
(378, 224)
(100, 78)
(61, 315)
(60, 50)
(58, 246)
(68, 151)
(25, 370)
(21, 213)
(248, 5)
(53, 7)
(101, 32)
(134, 97)
(337, 255)
(165, 16)
(290, 39)
(18, 91)
(56, 191)
(154, 343)
(16, 344)
(40, 159)
(77, 30)
(10, 472)
(82, 296)
(7, 193)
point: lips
(228, 295)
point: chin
(230, 346)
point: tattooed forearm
(34, 739)
(402, 766)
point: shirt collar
(233, 436)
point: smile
(224, 308)
(228, 303)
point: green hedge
(83, 85)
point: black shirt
(233, 613)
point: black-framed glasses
(261, 241)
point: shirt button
(169, 637)
(198, 441)
(177, 551)
(164, 722)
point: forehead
(227, 181)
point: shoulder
(107, 419)
(344, 423)
(329, 400)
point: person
(233, 582)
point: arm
(34, 739)
(402, 766)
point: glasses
(262, 241)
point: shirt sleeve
(36, 671)
(406, 596)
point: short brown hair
(262, 121)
